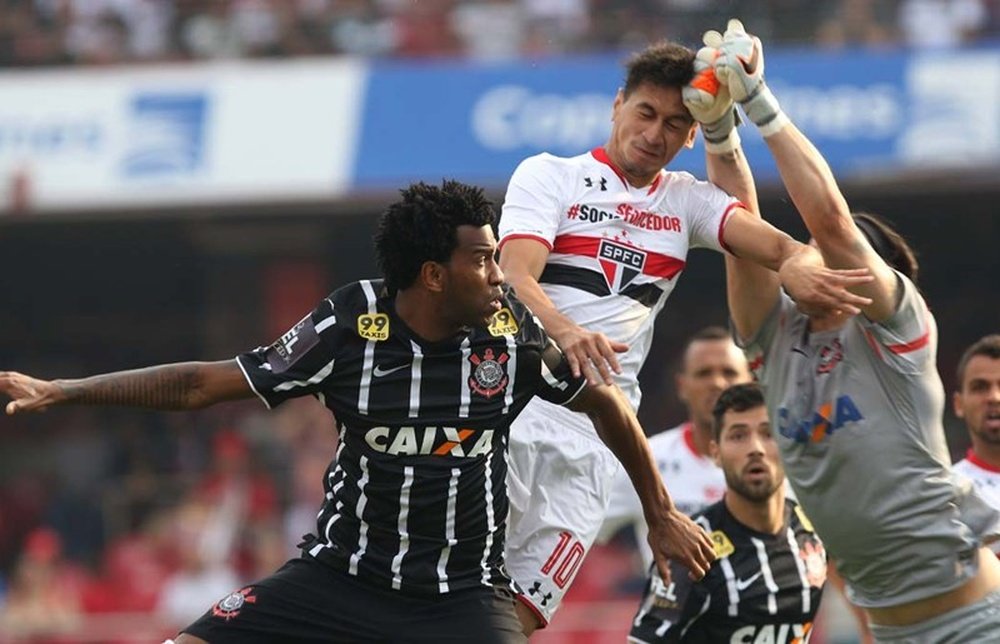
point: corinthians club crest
(490, 376)
(229, 607)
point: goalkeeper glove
(709, 101)
(740, 66)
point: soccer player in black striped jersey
(424, 372)
(767, 583)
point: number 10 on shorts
(566, 557)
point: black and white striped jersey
(416, 498)
(762, 587)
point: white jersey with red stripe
(693, 480)
(986, 480)
(616, 250)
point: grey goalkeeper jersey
(858, 411)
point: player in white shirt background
(710, 364)
(594, 244)
(977, 402)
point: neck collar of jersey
(601, 155)
(978, 462)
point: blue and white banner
(872, 114)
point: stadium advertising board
(179, 134)
(871, 113)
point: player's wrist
(764, 111)
(721, 136)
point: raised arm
(806, 175)
(672, 535)
(752, 283)
(184, 385)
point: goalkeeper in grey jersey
(854, 393)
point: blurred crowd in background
(102, 32)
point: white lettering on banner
(844, 112)
(48, 137)
(512, 116)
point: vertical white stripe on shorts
(449, 531)
(731, 590)
(366, 369)
(765, 567)
(363, 525)
(793, 545)
(508, 397)
(418, 358)
(463, 406)
(404, 536)
(490, 520)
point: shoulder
(354, 301)
(666, 439)
(545, 164)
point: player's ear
(713, 451)
(956, 404)
(689, 143)
(433, 276)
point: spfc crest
(230, 605)
(620, 263)
(490, 376)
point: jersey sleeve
(758, 347)
(906, 341)
(559, 386)
(296, 364)
(708, 209)
(532, 207)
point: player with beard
(977, 402)
(768, 581)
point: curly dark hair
(421, 227)
(664, 64)
(737, 398)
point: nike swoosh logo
(743, 584)
(379, 372)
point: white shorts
(559, 480)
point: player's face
(474, 277)
(978, 402)
(748, 454)
(710, 367)
(648, 129)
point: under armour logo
(590, 183)
(537, 589)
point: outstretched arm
(183, 385)
(589, 353)
(672, 535)
(806, 175)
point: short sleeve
(296, 364)
(558, 386)
(667, 609)
(757, 347)
(532, 207)
(905, 341)
(708, 209)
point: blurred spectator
(941, 23)
(858, 22)
(44, 598)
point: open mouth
(992, 419)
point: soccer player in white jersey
(711, 363)
(594, 244)
(977, 402)
(856, 399)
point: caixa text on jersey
(430, 441)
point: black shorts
(306, 601)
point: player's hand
(740, 66)
(679, 538)
(591, 354)
(27, 393)
(817, 289)
(709, 101)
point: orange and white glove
(709, 101)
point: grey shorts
(978, 623)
